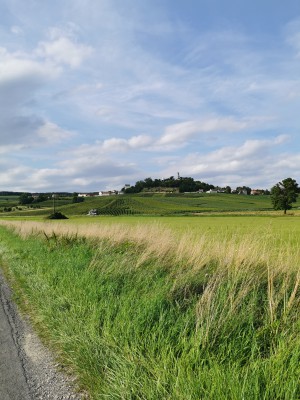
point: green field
(145, 204)
(8, 201)
(12, 202)
(164, 307)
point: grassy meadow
(144, 307)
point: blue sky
(98, 93)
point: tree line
(27, 198)
(179, 184)
(182, 185)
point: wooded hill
(171, 184)
(182, 185)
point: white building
(212, 191)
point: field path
(27, 369)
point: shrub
(57, 215)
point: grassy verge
(138, 313)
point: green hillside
(182, 204)
(9, 201)
(152, 204)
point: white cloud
(21, 134)
(113, 145)
(14, 177)
(181, 132)
(50, 133)
(64, 51)
(22, 78)
(69, 175)
(20, 67)
(140, 141)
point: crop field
(208, 224)
(173, 307)
(8, 201)
(12, 202)
(150, 204)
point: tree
(148, 183)
(41, 197)
(243, 190)
(187, 185)
(25, 198)
(76, 198)
(283, 194)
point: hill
(151, 204)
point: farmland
(165, 307)
(162, 296)
(143, 204)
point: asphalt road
(13, 382)
(28, 370)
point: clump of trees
(27, 198)
(284, 194)
(179, 184)
(185, 184)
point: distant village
(186, 185)
(240, 191)
(169, 185)
(105, 193)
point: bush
(57, 215)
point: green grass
(204, 224)
(148, 314)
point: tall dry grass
(229, 250)
(245, 258)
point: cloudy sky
(98, 93)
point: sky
(96, 94)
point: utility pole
(53, 196)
